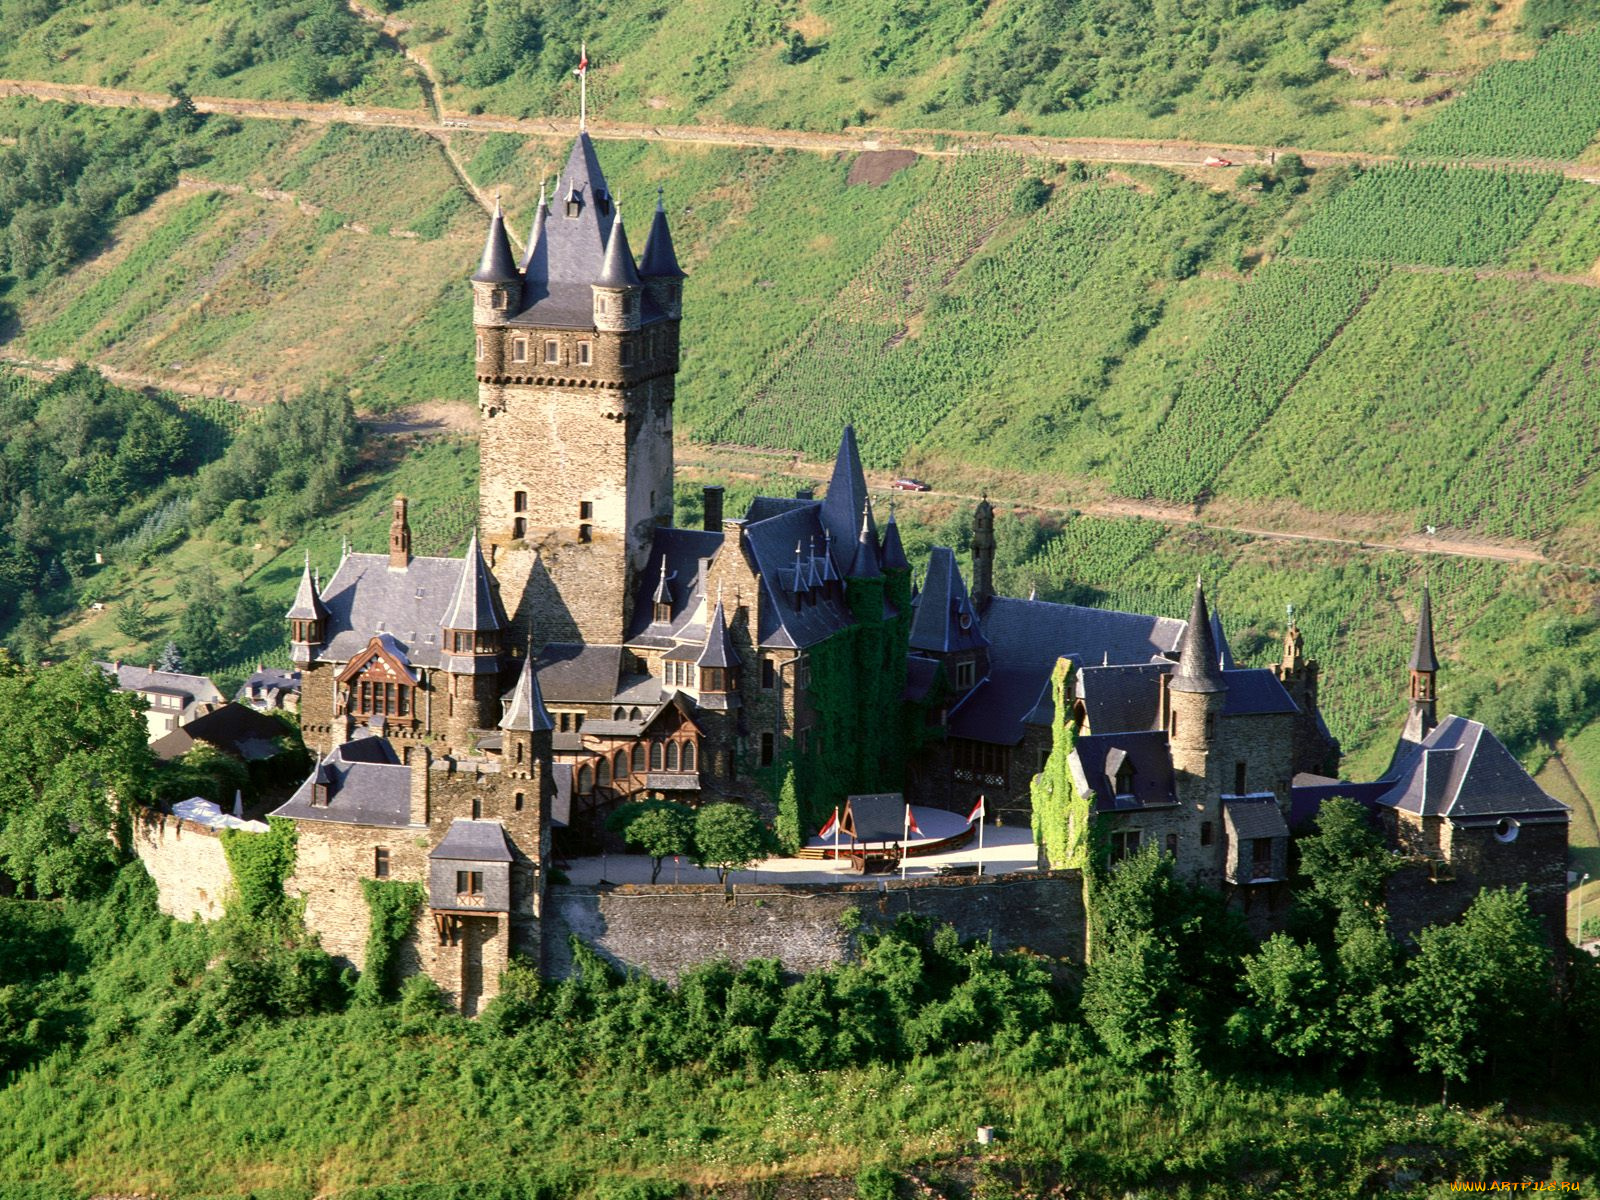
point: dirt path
(935, 142)
(1515, 274)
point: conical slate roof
(719, 651)
(660, 259)
(663, 592)
(866, 564)
(618, 270)
(497, 265)
(473, 605)
(526, 713)
(1422, 656)
(576, 243)
(847, 493)
(1198, 667)
(308, 604)
(894, 554)
(536, 261)
(944, 620)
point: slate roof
(1422, 655)
(536, 258)
(198, 689)
(234, 729)
(365, 597)
(269, 679)
(920, 674)
(1254, 691)
(1096, 759)
(1199, 661)
(945, 620)
(1224, 651)
(618, 271)
(572, 673)
(718, 651)
(679, 551)
(894, 554)
(369, 786)
(1254, 819)
(1462, 772)
(307, 603)
(865, 564)
(497, 265)
(880, 817)
(784, 618)
(526, 712)
(473, 841)
(561, 798)
(1128, 696)
(846, 496)
(660, 259)
(473, 604)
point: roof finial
(661, 198)
(541, 191)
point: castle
(586, 652)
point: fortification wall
(666, 928)
(186, 861)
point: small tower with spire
(471, 632)
(497, 284)
(1422, 715)
(983, 548)
(663, 278)
(308, 620)
(1195, 695)
(617, 291)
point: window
(519, 350)
(519, 528)
(688, 756)
(600, 304)
(1172, 844)
(380, 863)
(638, 758)
(964, 674)
(1238, 779)
(477, 808)
(769, 675)
(711, 679)
(766, 749)
(1205, 833)
(1172, 724)
(619, 713)
(518, 800)
(566, 722)
(583, 354)
(1211, 726)
(519, 502)
(585, 779)
(585, 533)
(655, 756)
(519, 750)
(672, 756)
(577, 722)
(619, 765)
(469, 883)
(686, 673)
(1261, 855)
(480, 347)
(981, 762)
(585, 510)
(602, 773)
(552, 351)
(1124, 844)
(379, 699)
(626, 356)
(1125, 779)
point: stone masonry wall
(187, 863)
(667, 928)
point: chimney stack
(420, 760)
(712, 494)
(399, 537)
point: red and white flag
(911, 824)
(833, 823)
(583, 60)
(979, 811)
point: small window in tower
(600, 304)
(1211, 726)
(766, 749)
(519, 349)
(380, 863)
(626, 354)
(1205, 833)
(519, 528)
(769, 675)
(517, 801)
(964, 674)
(1238, 779)
(552, 350)
(477, 808)
(480, 347)
(1172, 845)
(585, 510)
(583, 354)
(519, 502)
(585, 533)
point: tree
(200, 637)
(77, 760)
(1346, 862)
(658, 828)
(133, 615)
(729, 837)
(1477, 988)
(1289, 1000)
(170, 659)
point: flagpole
(583, 89)
(905, 837)
(983, 815)
(835, 837)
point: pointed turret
(661, 598)
(1423, 713)
(526, 713)
(473, 607)
(308, 618)
(983, 546)
(1199, 664)
(1224, 651)
(618, 270)
(894, 554)
(719, 650)
(847, 492)
(1422, 655)
(497, 264)
(866, 563)
(535, 264)
(660, 258)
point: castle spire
(660, 259)
(866, 564)
(894, 554)
(526, 713)
(308, 604)
(1199, 668)
(618, 270)
(1424, 665)
(535, 264)
(473, 605)
(497, 264)
(983, 548)
(1422, 655)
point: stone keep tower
(577, 357)
(1196, 696)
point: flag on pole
(978, 813)
(583, 59)
(833, 823)
(911, 824)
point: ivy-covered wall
(864, 733)
(260, 862)
(1060, 813)
(393, 906)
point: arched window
(585, 779)
(636, 715)
(638, 758)
(619, 766)
(519, 749)
(602, 772)
(688, 756)
(620, 715)
(655, 756)
(672, 756)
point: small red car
(910, 485)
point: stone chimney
(399, 537)
(712, 494)
(421, 761)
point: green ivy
(260, 864)
(1060, 813)
(393, 907)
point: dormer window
(321, 793)
(966, 674)
(603, 202)
(663, 612)
(1125, 779)
(574, 206)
